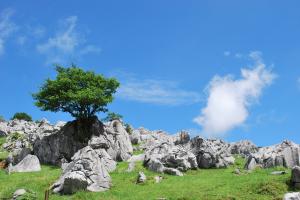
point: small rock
(278, 172)
(158, 179)
(237, 171)
(131, 167)
(18, 193)
(172, 171)
(292, 196)
(141, 178)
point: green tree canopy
(112, 116)
(22, 116)
(78, 92)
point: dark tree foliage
(78, 92)
(22, 116)
(112, 116)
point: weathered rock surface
(168, 158)
(243, 148)
(135, 137)
(18, 193)
(292, 196)
(284, 154)
(86, 171)
(211, 153)
(295, 179)
(17, 155)
(29, 164)
(182, 137)
(118, 142)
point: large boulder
(58, 148)
(295, 179)
(115, 140)
(29, 164)
(211, 153)
(135, 137)
(170, 159)
(285, 154)
(86, 171)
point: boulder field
(88, 153)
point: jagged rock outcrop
(135, 137)
(60, 147)
(86, 171)
(170, 159)
(284, 154)
(118, 142)
(183, 137)
(243, 148)
(211, 153)
(29, 164)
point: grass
(208, 184)
(3, 153)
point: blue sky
(179, 62)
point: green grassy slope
(209, 184)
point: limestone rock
(211, 153)
(86, 171)
(182, 137)
(285, 154)
(18, 193)
(292, 196)
(295, 180)
(29, 164)
(243, 148)
(141, 178)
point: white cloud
(7, 27)
(229, 99)
(66, 43)
(159, 92)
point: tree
(22, 116)
(112, 116)
(78, 92)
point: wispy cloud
(67, 43)
(229, 99)
(7, 27)
(160, 92)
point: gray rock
(285, 154)
(211, 153)
(30, 163)
(243, 148)
(86, 171)
(295, 179)
(167, 155)
(141, 178)
(250, 164)
(182, 137)
(278, 172)
(158, 179)
(292, 196)
(172, 171)
(60, 147)
(135, 137)
(17, 155)
(131, 167)
(118, 143)
(18, 193)
(136, 158)
(237, 171)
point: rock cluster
(211, 153)
(86, 171)
(170, 159)
(284, 154)
(243, 148)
